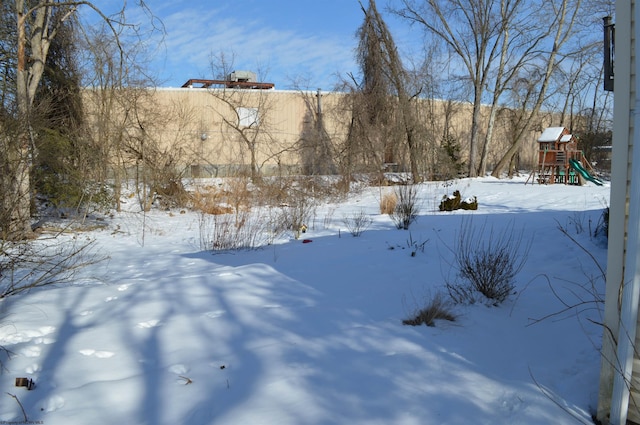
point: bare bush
(487, 263)
(28, 265)
(416, 245)
(406, 210)
(298, 211)
(578, 298)
(577, 222)
(210, 200)
(602, 226)
(280, 190)
(238, 220)
(357, 223)
(244, 230)
(437, 308)
(328, 218)
(238, 193)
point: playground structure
(560, 160)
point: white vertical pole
(631, 280)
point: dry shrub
(357, 223)
(274, 191)
(245, 230)
(171, 193)
(210, 201)
(296, 199)
(297, 211)
(437, 308)
(488, 262)
(388, 203)
(234, 196)
(602, 226)
(277, 191)
(238, 193)
(406, 210)
(322, 187)
(28, 265)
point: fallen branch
(187, 381)
(560, 403)
(21, 407)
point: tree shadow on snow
(289, 334)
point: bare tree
(363, 149)
(246, 119)
(247, 122)
(472, 30)
(564, 15)
(385, 90)
(107, 106)
(521, 36)
(63, 157)
(37, 25)
(580, 87)
(140, 133)
(315, 142)
(136, 133)
(441, 148)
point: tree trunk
(254, 163)
(497, 89)
(16, 208)
(475, 125)
(482, 168)
(17, 198)
(17, 201)
(413, 157)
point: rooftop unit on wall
(242, 76)
(234, 80)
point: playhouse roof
(551, 134)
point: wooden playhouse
(560, 160)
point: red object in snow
(307, 241)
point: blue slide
(584, 173)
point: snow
(551, 134)
(166, 333)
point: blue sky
(282, 40)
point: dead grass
(211, 200)
(239, 194)
(438, 308)
(388, 203)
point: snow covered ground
(311, 333)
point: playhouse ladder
(541, 175)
